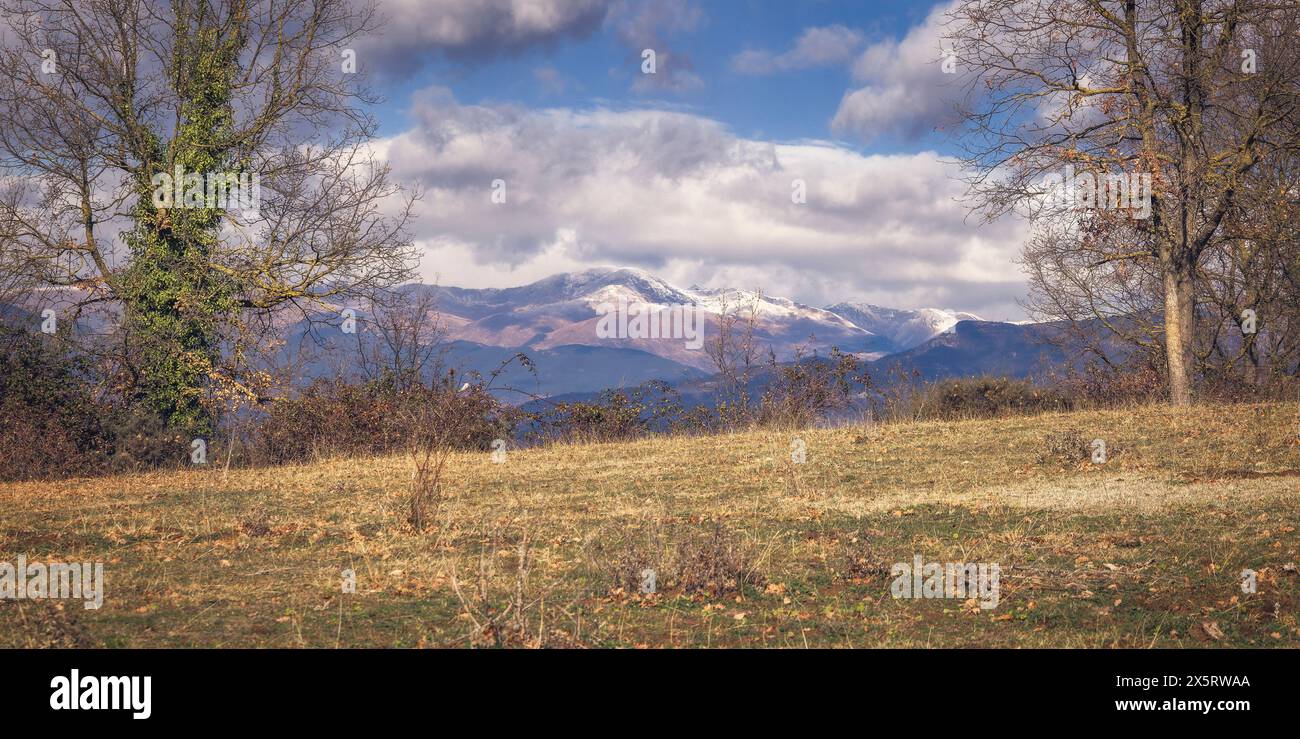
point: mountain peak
(905, 328)
(558, 308)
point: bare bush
(858, 560)
(686, 559)
(983, 397)
(615, 415)
(809, 389)
(1066, 446)
(498, 595)
(735, 355)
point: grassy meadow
(551, 546)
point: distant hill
(976, 348)
(968, 349)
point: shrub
(807, 390)
(142, 441)
(52, 424)
(685, 559)
(334, 418)
(1066, 446)
(859, 560)
(329, 417)
(1108, 386)
(716, 563)
(615, 415)
(985, 397)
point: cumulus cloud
(644, 23)
(477, 29)
(682, 195)
(904, 90)
(821, 46)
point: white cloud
(816, 47)
(904, 90)
(681, 195)
(484, 29)
(644, 23)
(477, 28)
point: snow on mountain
(564, 309)
(556, 320)
(904, 328)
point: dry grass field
(549, 548)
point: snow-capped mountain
(904, 328)
(555, 322)
(565, 309)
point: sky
(691, 172)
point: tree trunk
(1178, 333)
(1252, 370)
(1250, 341)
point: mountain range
(563, 310)
(557, 323)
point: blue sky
(597, 69)
(688, 172)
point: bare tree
(735, 354)
(102, 100)
(1250, 305)
(1196, 94)
(402, 343)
